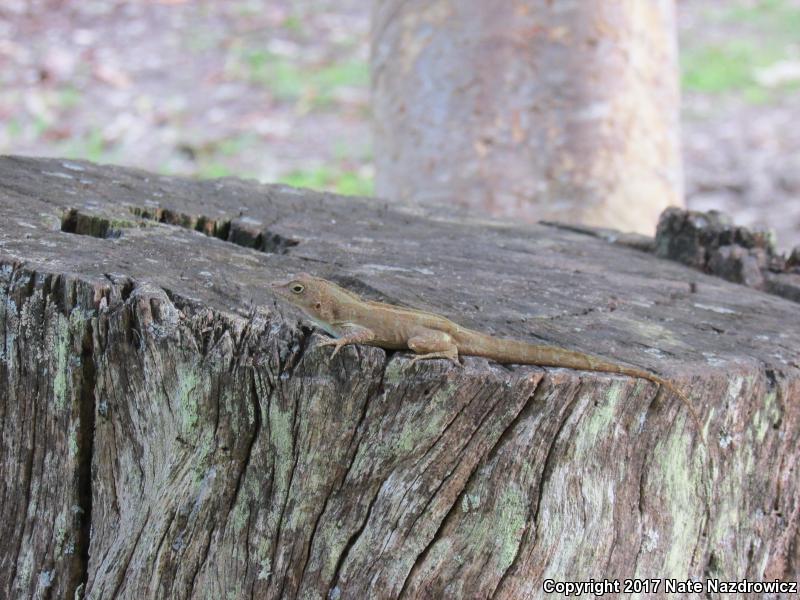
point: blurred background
(279, 91)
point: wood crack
(122, 572)
(204, 557)
(352, 452)
(535, 396)
(420, 558)
(432, 445)
(548, 466)
(354, 538)
(245, 463)
(296, 457)
(27, 468)
(86, 416)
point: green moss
(25, 570)
(767, 413)
(60, 532)
(394, 375)
(440, 552)
(281, 430)
(241, 514)
(735, 386)
(599, 422)
(234, 593)
(415, 436)
(470, 502)
(282, 438)
(123, 224)
(337, 539)
(62, 366)
(263, 558)
(683, 477)
(511, 525)
(188, 383)
(9, 320)
(203, 459)
(72, 440)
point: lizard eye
(297, 288)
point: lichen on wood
(171, 430)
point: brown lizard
(351, 320)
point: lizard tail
(474, 343)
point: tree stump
(170, 430)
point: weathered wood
(710, 242)
(169, 430)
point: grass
(724, 67)
(330, 179)
(14, 128)
(69, 97)
(345, 74)
(770, 29)
(89, 146)
(322, 178)
(289, 80)
(773, 17)
(235, 145)
(730, 67)
(294, 24)
(214, 170)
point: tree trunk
(535, 110)
(170, 430)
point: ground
(278, 91)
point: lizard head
(306, 292)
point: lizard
(352, 320)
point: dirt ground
(279, 91)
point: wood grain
(170, 430)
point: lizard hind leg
(430, 343)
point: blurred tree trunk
(532, 109)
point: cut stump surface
(171, 430)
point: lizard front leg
(431, 343)
(351, 334)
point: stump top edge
(220, 243)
